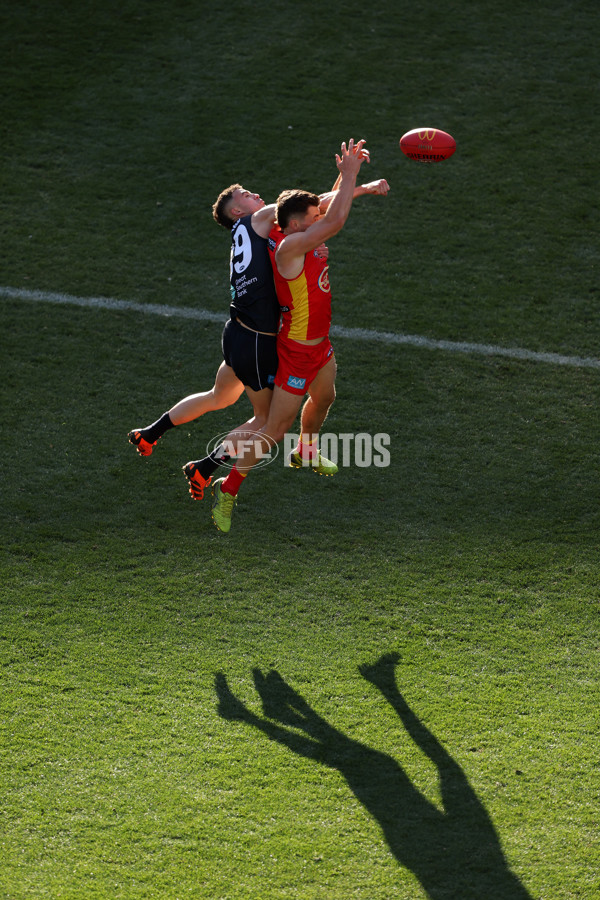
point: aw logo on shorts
(297, 383)
(324, 280)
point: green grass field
(378, 686)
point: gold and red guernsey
(306, 300)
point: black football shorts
(252, 356)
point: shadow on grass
(454, 853)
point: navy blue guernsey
(253, 298)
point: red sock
(232, 483)
(308, 449)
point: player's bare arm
(360, 189)
(264, 219)
(315, 229)
(379, 187)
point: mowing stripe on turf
(360, 334)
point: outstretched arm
(292, 249)
(365, 155)
(231, 707)
(380, 187)
(382, 674)
(264, 219)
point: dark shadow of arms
(454, 852)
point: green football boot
(222, 506)
(321, 465)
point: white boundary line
(360, 334)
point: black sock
(211, 463)
(158, 428)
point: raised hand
(351, 157)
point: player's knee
(279, 428)
(324, 399)
(223, 397)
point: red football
(427, 144)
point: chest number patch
(241, 250)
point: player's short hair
(221, 206)
(293, 203)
